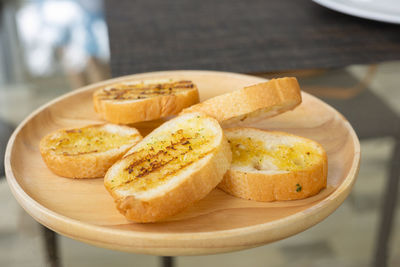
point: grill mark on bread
(159, 166)
(170, 159)
(154, 165)
(184, 85)
(147, 158)
(120, 94)
(140, 91)
(150, 157)
(182, 166)
(73, 131)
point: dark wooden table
(241, 36)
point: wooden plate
(83, 210)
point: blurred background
(48, 48)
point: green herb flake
(298, 189)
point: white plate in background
(381, 10)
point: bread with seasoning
(174, 166)
(252, 103)
(134, 101)
(269, 166)
(87, 152)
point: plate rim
(358, 12)
(32, 207)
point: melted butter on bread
(87, 140)
(87, 152)
(272, 165)
(164, 156)
(284, 157)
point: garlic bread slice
(136, 101)
(268, 166)
(87, 152)
(252, 103)
(175, 165)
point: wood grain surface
(83, 210)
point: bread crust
(195, 186)
(87, 165)
(129, 111)
(293, 185)
(253, 102)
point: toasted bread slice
(177, 164)
(87, 152)
(136, 101)
(268, 166)
(253, 102)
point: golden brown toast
(136, 101)
(268, 166)
(177, 164)
(87, 152)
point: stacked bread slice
(251, 103)
(88, 152)
(185, 158)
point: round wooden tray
(83, 210)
